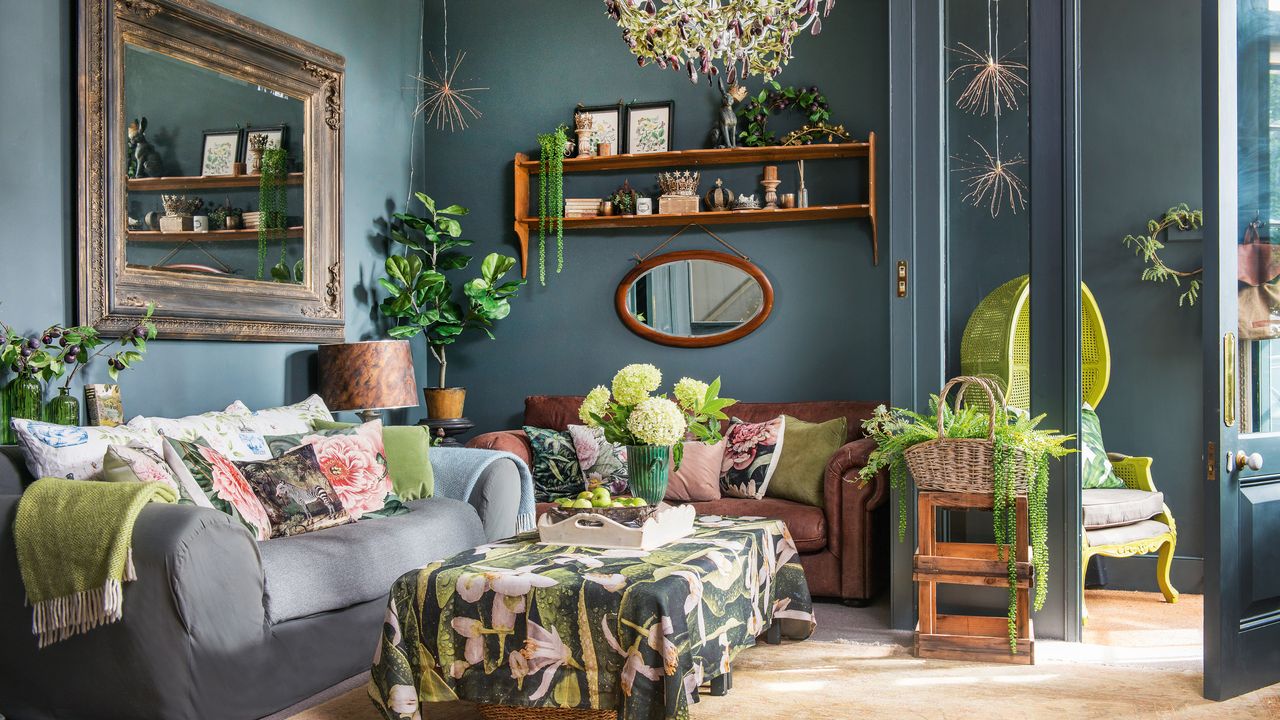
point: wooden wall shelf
(526, 168)
(199, 182)
(155, 236)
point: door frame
(917, 322)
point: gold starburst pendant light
(444, 103)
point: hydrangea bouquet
(653, 426)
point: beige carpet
(835, 681)
(1143, 619)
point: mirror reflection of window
(692, 298)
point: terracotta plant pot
(444, 403)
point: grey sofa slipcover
(220, 626)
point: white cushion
(1111, 507)
(229, 432)
(1126, 534)
(66, 451)
(287, 420)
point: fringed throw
(73, 540)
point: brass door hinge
(902, 278)
(1211, 462)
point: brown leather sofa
(842, 545)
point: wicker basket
(507, 712)
(965, 464)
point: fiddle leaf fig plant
(422, 299)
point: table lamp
(368, 377)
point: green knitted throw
(74, 550)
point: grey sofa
(220, 626)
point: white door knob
(1252, 461)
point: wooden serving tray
(594, 530)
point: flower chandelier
(707, 37)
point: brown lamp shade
(375, 375)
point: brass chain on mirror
(677, 234)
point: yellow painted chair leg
(1163, 565)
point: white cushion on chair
(1126, 534)
(1107, 507)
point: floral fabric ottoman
(521, 624)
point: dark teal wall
(827, 335)
(1140, 115)
(379, 39)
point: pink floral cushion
(602, 462)
(221, 482)
(355, 462)
(128, 463)
(750, 457)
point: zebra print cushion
(295, 493)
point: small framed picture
(277, 135)
(649, 126)
(220, 151)
(606, 125)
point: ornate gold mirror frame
(112, 294)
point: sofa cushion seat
(1125, 534)
(343, 566)
(807, 524)
(1113, 507)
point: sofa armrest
(849, 504)
(1134, 471)
(512, 441)
(495, 494)
(198, 592)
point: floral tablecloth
(523, 624)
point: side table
(447, 429)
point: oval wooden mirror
(694, 298)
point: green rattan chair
(997, 344)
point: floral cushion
(602, 462)
(297, 496)
(355, 462)
(287, 420)
(66, 451)
(556, 470)
(221, 484)
(750, 455)
(1096, 470)
(227, 431)
(127, 463)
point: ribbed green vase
(648, 466)
(24, 398)
(63, 409)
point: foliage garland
(551, 197)
(273, 204)
(754, 114)
(896, 430)
(1148, 247)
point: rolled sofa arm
(848, 506)
(198, 592)
(512, 441)
(495, 494)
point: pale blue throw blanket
(458, 469)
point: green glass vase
(63, 409)
(648, 467)
(24, 398)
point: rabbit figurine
(144, 159)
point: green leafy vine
(1148, 247)
(754, 114)
(551, 197)
(273, 204)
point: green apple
(638, 502)
(581, 503)
(617, 503)
(585, 495)
(600, 497)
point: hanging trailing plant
(896, 430)
(551, 197)
(1148, 247)
(273, 204)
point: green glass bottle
(24, 397)
(64, 409)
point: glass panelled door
(1242, 345)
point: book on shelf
(103, 405)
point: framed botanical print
(277, 135)
(649, 126)
(606, 125)
(220, 152)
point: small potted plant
(652, 426)
(421, 298)
(624, 199)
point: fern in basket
(896, 431)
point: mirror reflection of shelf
(202, 182)
(155, 236)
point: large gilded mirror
(210, 174)
(694, 298)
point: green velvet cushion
(1095, 468)
(407, 448)
(806, 450)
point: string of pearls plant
(707, 37)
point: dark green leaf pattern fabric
(556, 471)
(1096, 469)
(522, 624)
